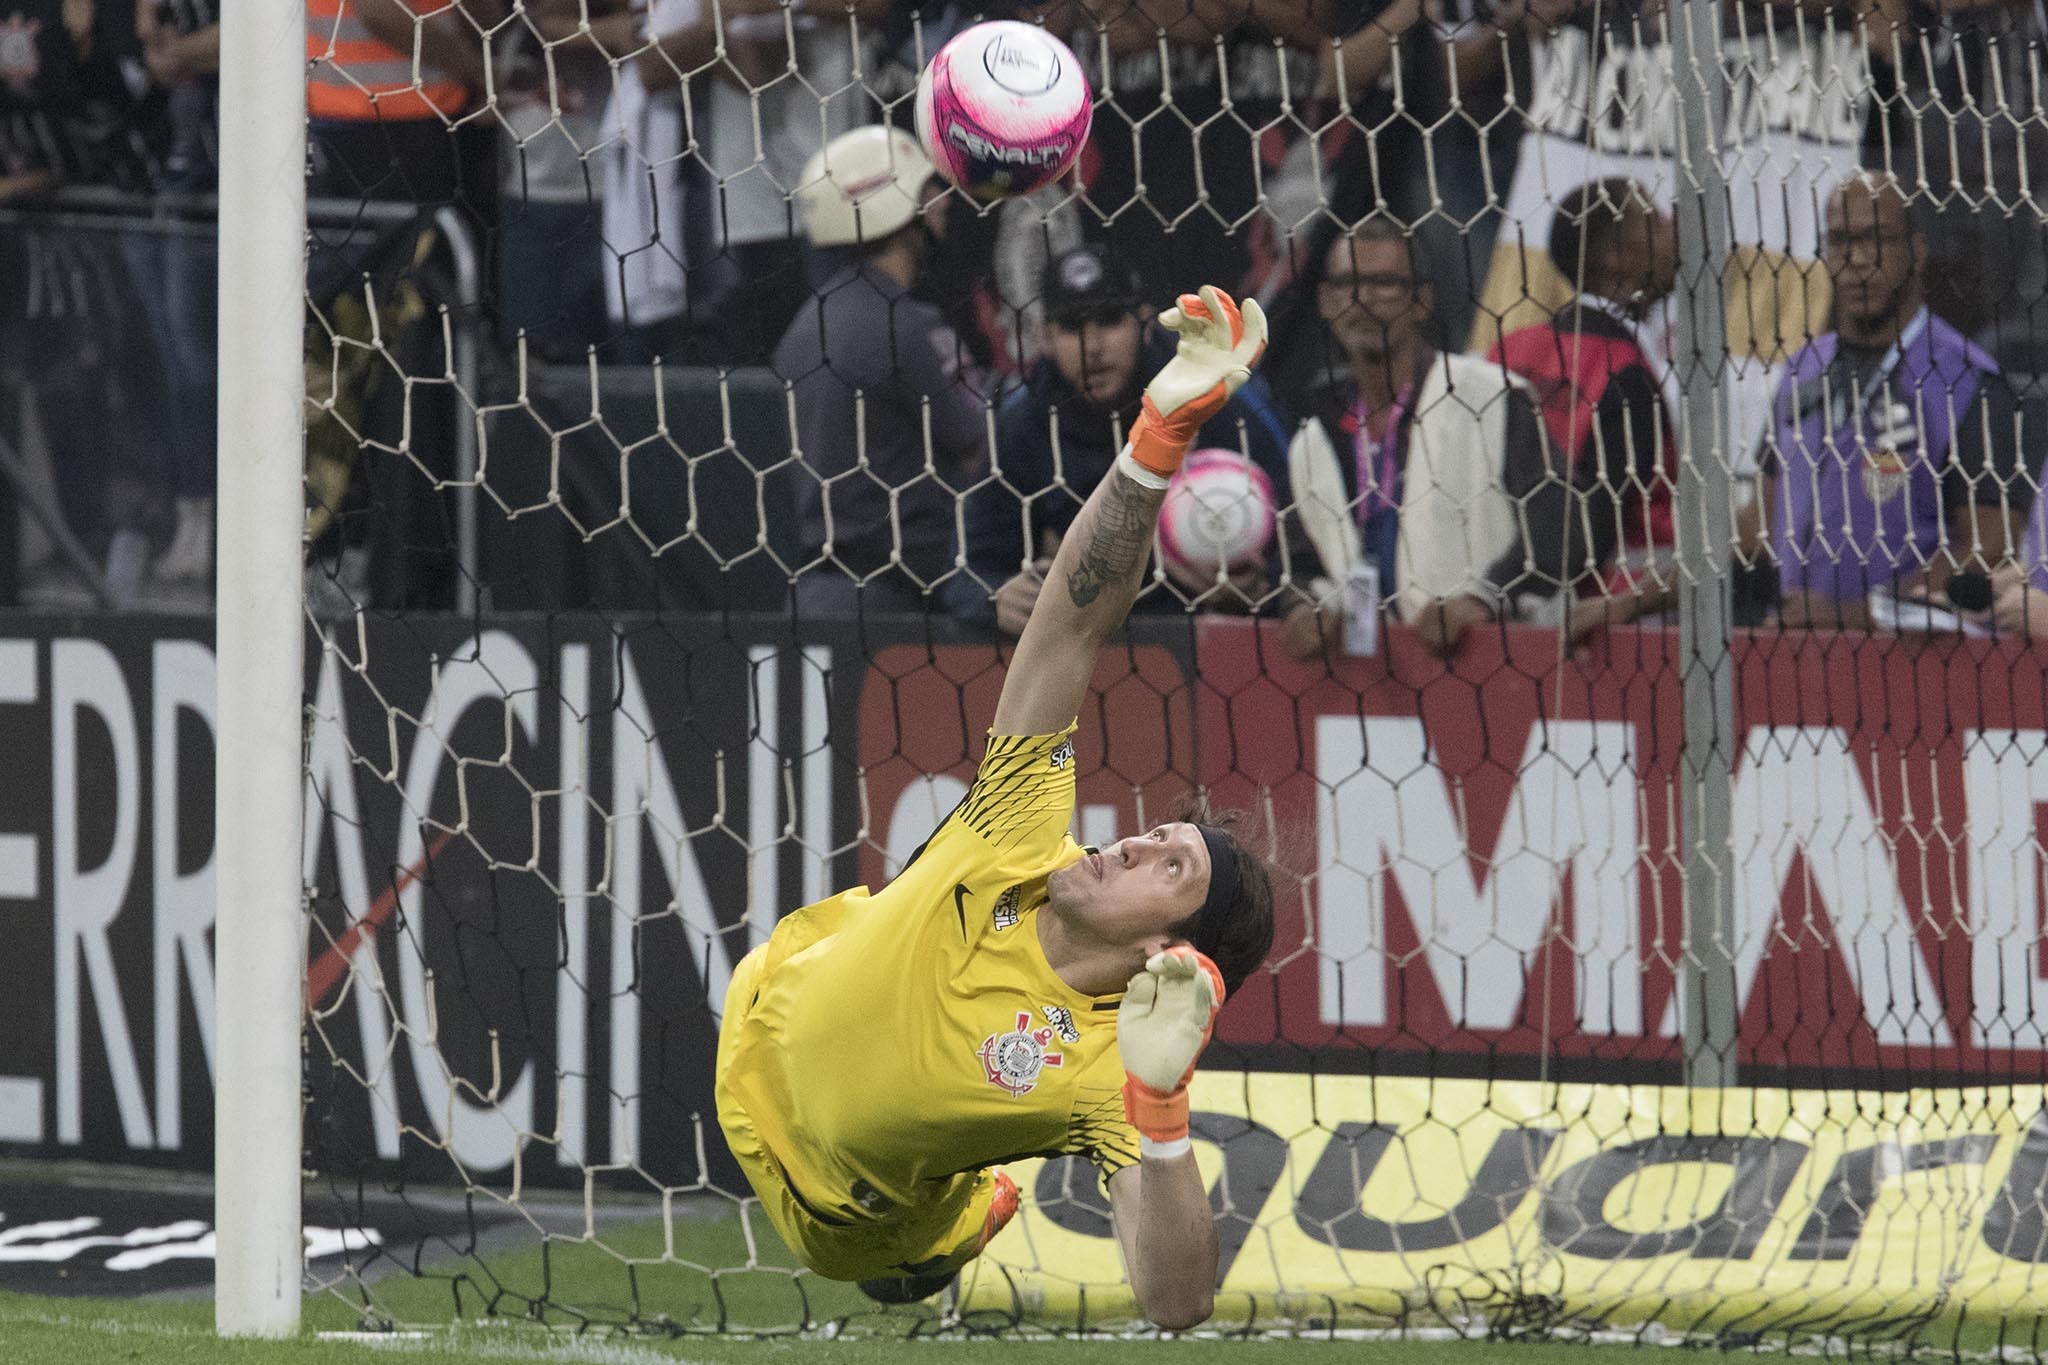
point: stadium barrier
(1482, 1043)
(104, 312)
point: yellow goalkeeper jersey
(901, 1038)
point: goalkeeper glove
(1161, 1030)
(1219, 344)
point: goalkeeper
(1010, 994)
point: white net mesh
(658, 558)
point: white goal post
(260, 925)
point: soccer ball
(1003, 109)
(1218, 515)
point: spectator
(984, 275)
(1892, 460)
(1600, 395)
(647, 212)
(1364, 153)
(176, 277)
(1058, 435)
(69, 349)
(1969, 67)
(381, 122)
(785, 84)
(553, 81)
(38, 66)
(1415, 125)
(1424, 473)
(1474, 141)
(887, 425)
(2019, 588)
(390, 87)
(1176, 162)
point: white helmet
(861, 186)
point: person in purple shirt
(2018, 590)
(1892, 461)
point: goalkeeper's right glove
(1219, 344)
(1161, 1029)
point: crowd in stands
(733, 185)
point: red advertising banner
(1491, 848)
(924, 715)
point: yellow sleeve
(1099, 1131)
(1022, 799)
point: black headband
(1222, 889)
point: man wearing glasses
(1421, 476)
(1893, 461)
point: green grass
(503, 1307)
(68, 1331)
(633, 1298)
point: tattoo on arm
(1119, 534)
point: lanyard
(1862, 391)
(1378, 463)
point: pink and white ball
(1218, 518)
(1003, 109)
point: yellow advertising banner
(1353, 1200)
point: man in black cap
(1097, 343)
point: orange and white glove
(1168, 1011)
(1219, 344)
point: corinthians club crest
(1011, 1061)
(1884, 475)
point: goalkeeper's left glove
(1218, 345)
(1168, 1011)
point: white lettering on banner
(572, 988)
(1098, 825)
(1624, 100)
(54, 1241)
(332, 811)
(18, 852)
(764, 785)
(1386, 816)
(483, 1132)
(62, 1239)
(923, 802)
(181, 679)
(2007, 773)
(21, 1097)
(643, 790)
(816, 835)
(1799, 792)
(84, 675)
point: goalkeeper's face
(1135, 892)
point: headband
(1222, 889)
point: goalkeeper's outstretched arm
(1101, 562)
(1160, 1205)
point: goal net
(621, 651)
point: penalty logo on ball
(1012, 1061)
(1003, 109)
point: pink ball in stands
(1218, 516)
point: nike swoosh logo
(960, 906)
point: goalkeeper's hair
(1247, 931)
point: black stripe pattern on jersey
(1017, 788)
